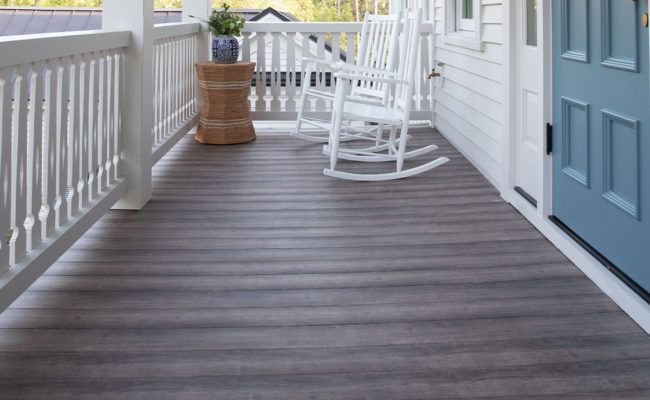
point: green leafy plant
(223, 22)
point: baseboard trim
(526, 196)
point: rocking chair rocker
(394, 114)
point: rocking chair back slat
(379, 50)
(406, 70)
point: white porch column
(137, 99)
(202, 9)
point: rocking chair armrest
(345, 67)
(318, 61)
(379, 79)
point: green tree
(306, 10)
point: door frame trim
(624, 296)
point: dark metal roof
(31, 20)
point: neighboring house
(32, 20)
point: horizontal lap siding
(469, 99)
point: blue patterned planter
(225, 49)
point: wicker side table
(225, 117)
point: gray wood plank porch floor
(250, 275)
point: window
(462, 26)
(465, 12)
(531, 23)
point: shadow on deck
(251, 275)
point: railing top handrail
(24, 49)
(164, 31)
(301, 27)
(313, 27)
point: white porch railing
(278, 49)
(174, 90)
(86, 115)
(60, 116)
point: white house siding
(469, 104)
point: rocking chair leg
(380, 134)
(334, 141)
(393, 137)
(402, 146)
(303, 99)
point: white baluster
(175, 78)
(184, 62)
(320, 70)
(193, 82)
(350, 53)
(73, 138)
(117, 114)
(49, 150)
(110, 119)
(260, 83)
(169, 85)
(101, 124)
(92, 129)
(291, 72)
(82, 136)
(336, 47)
(306, 78)
(156, 92)
(189, 65)
(61, 164)
(276, 70)
(18, 166)
(34, 143)
(6, 188)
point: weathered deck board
(251, 275)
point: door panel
(601, 109)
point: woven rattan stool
(225, 117)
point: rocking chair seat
(372, 113)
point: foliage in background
(306, 10)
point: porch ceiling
(251, 275)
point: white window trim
(463, 32)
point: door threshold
(644, 294)
(526, 196)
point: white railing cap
(24, 49)
(313, 27)
(164, 31)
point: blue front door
(601, 119)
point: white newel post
(202, 9)
(137, 103)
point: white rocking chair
(395, 115)
(377, 54)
